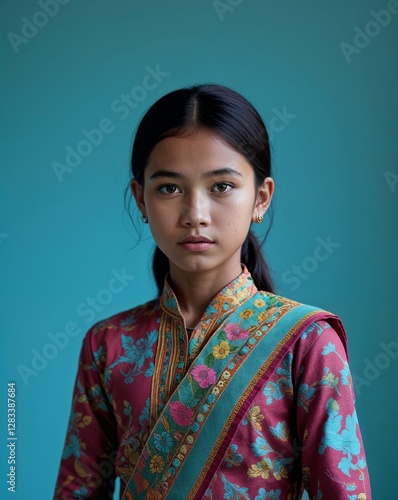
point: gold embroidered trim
(157, 374)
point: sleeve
(332, 457)
(87, 467)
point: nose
(195, 210)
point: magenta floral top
(301, 432)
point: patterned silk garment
(300, 432)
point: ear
(138, 194)
(264, 197)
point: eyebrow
(213, 173)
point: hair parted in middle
(229, 116)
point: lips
(196, 243)
(196, 239)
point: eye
(168, 189)
(222, 187)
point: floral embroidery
(283, 386)
(204, 375)
(281, 431)
(163, 441)
(261, 447)
(261, 469)
(247, 314)
(221, 351)
(270, 495)
(255, 417)
(235, 332)
(157, 464)
(234, 491)
(182, 415)
(232, 458)
(259, 303)
(345, 441)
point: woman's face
(200, 197)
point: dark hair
(232, 118)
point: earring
(144, 219)
(259, 219)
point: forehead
(195, 154)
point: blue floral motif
(280, 463)
(347, 441)
(149, 371)
(271, 494)
(284, 385)
(98, 354)
(314, 326)
(163, 441)
(281, 431)
(72, 448)
(233, 458)
(305, 395)
(345, 374)
(129, 320)
(260, 447)
(328, 349)
(144, 417)
(273, 392)
(81, 492)
(97, 396)
(139, 351)
(130, 375)
(286, 369)
(136, 352)
(234, 491)
(351, 487)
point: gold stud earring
(144, 219)
(259, 218)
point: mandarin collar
(233, 294)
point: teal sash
(196, 427)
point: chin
(194, 264)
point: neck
(195, 290)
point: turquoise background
(335, 165)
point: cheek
(235, 221)
(237, 213)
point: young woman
(218, 388)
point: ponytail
(253, 259)
(160, 267)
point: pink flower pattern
(182, 415)
(204, 376)
(235, 332)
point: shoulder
(320, 337)
(132, 322)
(316, 329)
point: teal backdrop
(76, 78)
